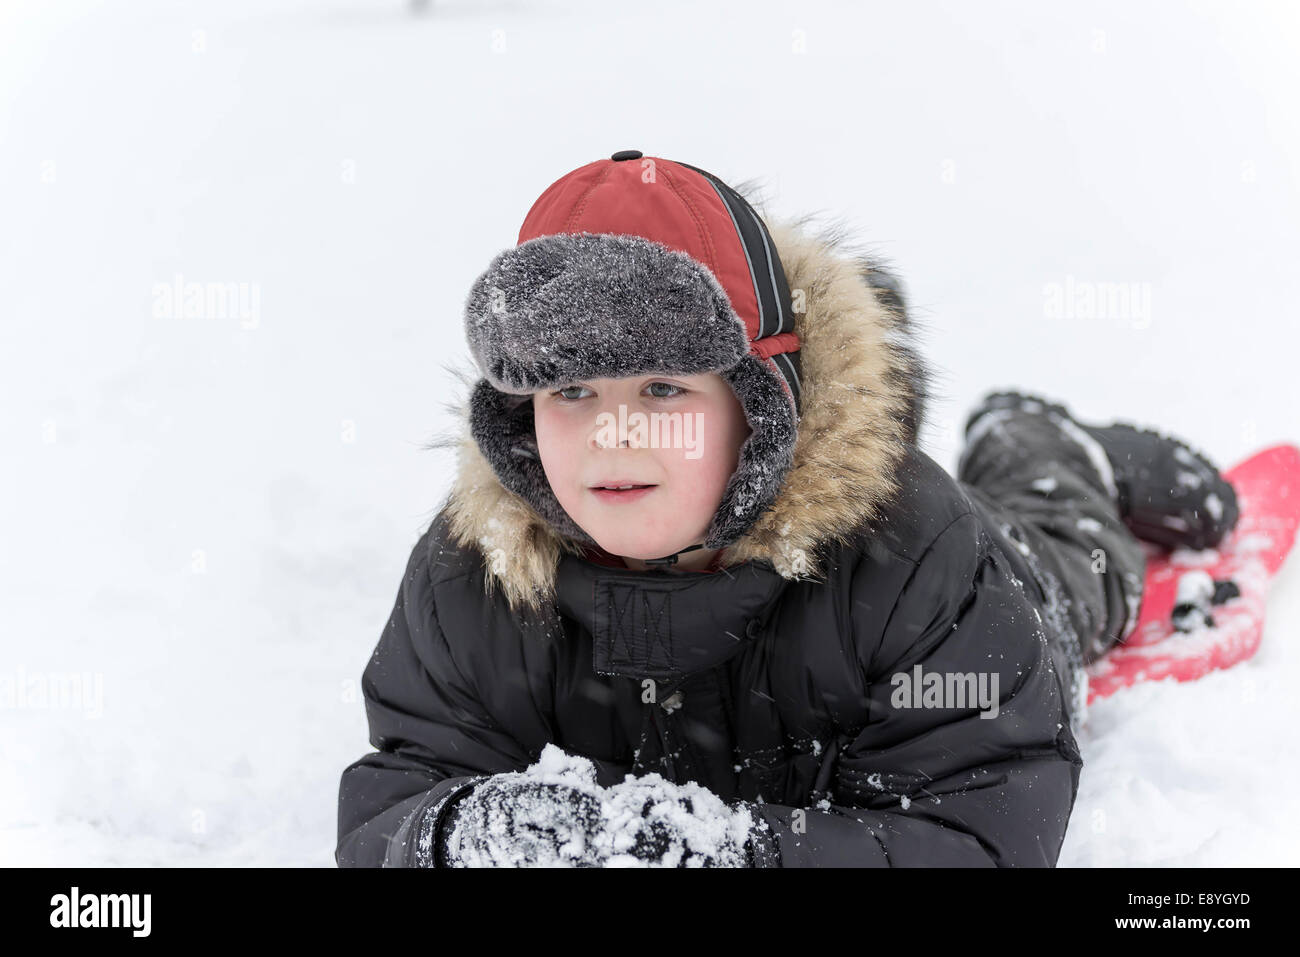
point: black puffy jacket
(773, 679)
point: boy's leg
(1048, 487)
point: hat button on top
(627, 155)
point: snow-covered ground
(207, 517)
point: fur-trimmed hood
(864, 392)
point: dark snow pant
(1046, 485)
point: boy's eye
(666, 391)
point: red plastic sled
(1268, 495)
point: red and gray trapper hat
(631, 266)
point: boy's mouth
(621, 491)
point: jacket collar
(864, 389)
(664, 625)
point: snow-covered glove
(514, 820)
(650, 821)
(554, 814)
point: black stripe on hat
(770, 285)
(792, 370)
(771, 288)
(749, 260)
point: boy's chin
(641, 550)
(633, 552)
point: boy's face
(678, 434)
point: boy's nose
(603, 440)
(608, 432)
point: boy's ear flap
(766, 456)
(504, 427)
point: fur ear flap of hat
(566, 306)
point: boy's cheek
(557, 443)
(697, 485)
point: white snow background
(213, 515)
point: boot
(1169, 493)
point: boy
(763, 628)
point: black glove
(512, 820)
(554, 814)
(652, 821)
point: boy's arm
(938, 786)
(434, 736)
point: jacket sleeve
(947, 786)
(435, 738)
